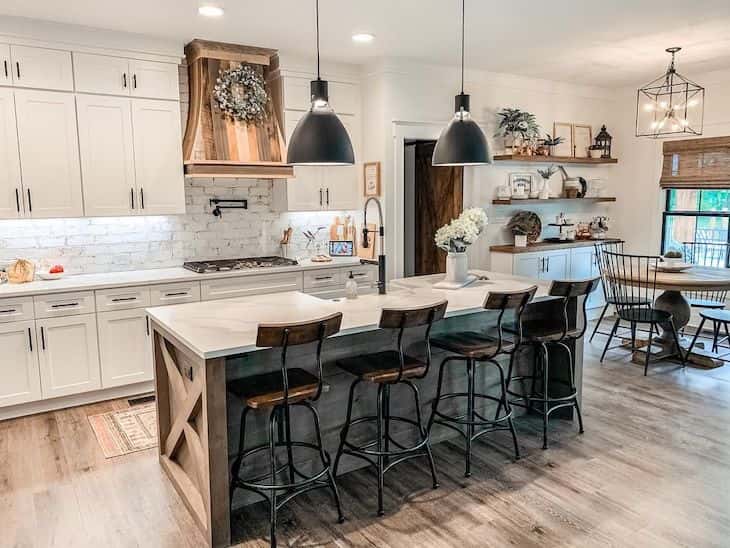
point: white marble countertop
(85, 282)
(228, 327)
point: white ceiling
(602, 42)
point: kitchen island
(198, 347)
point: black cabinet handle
(30, 339)
(64, 305)
(7, 311)
(328, 197)
(131, 193)
(548, 264)
(123, 299)
(124, 80)
(178, 294)
(147, 324)
(17, 68)
(319, 278)
(30, 202)
(17, 199)
(320, 197)
(5, 64)
(141, 197)
(134, 81)
(43, 339)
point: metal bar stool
(540, 335)
(280, 391)
(386, 369)
(477, 348)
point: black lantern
(603, 140)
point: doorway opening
(433, 196)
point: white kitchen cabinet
(19, 363)
(69, 355)
(11, 189)
(556, 265)
(305, 191)
(41, 68)
(342, 191)
(344, 97)
(528, 265)
(6, 77)
(101, 74)
(49, 153)
(158, 157)
(584, 265)
(107, 155)
(154, 80)
(227, 288)
(124, 347)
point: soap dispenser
(351, 287)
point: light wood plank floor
(651, 470)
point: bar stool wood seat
(385, 370)
(475, 349)
(280, 392)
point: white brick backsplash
(128, 243)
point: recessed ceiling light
(210, 10)
(363, 37)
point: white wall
(641, 201)
(403, 92)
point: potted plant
(456, 237)
(518, 128)
(673, 257)
(595, 151)
(551, 142)
(521, 225)
(546, 173)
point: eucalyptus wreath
(241, 95)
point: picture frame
(342, 248)
(371, 178)
(564, 130)
(582, 139)
(522, 184)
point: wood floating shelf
(509, 201)
(536, 159)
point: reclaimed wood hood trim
(696, 163)
(215, 146)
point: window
(695, 215)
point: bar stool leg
(546, 404)
(598, 323)
(346, 427)
(470, 414)
(424, 434)
(381, 459)
(289, 449)
(386, 420)
(507, 407)
(272, 456)
(437, 399)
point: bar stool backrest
(402, 319)
(710, 254)
(285, 335)
(571, 289)
(509, 300)
(632, 279)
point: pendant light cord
(462, 43)
(317, 11)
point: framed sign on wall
(371, 177)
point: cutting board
(369, 251)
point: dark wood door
(439, 197)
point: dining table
(672, 300)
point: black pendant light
(320, 138)
(462, 143)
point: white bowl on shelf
(47, 276)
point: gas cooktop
(248, 263)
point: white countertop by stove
(228, 327)
(85, 282)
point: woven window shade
(696, 163)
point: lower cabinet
(68, 354)
(550, 265)
(21, 380)
(124, 347)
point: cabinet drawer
(250, 285)
(16, 310)
(177, 293)
(322, 278)
(122, 298)
(364, 275)
(64, 304)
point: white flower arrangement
(460, 233)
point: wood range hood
(216, 146)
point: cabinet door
(342, 189)
(528, 265)
(101, 74)
(124, 348)
(69, 355)
(158, 157)
(11, 199)
(49, 153)
(19, 364)
(583, 264)
(154, 80)
(6, 77)
(107, 155)
(305, 192)
(41, 68)
(556, 265)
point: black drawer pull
(17, 199)
(134, 81)
(124, 80)
(319, 278)
(8, 311)
(123, 299)
(359, 275)
(64, 305)
(30, 339)
(147, 324)
(43, 338)
(5, 64)
(30, 202)
(178, 294)
(141, 196)
(17, 68)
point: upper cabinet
(6, 77)
(130, 77)
(49, 153)
(41, 68)
(344, 97)
(11, 191)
